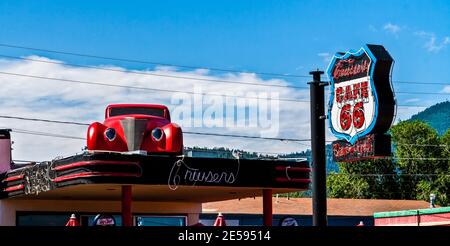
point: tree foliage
(419, 167)
(364, 179)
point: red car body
(136, 128)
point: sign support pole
(127, 218)
(267, 207)
(319, 188)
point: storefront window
(24, 219)
(60, 219)
(89, 220)
(161, 220)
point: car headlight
(110, 134)
(157, 134)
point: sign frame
(379, 73)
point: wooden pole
(267, 207)
(127, 217)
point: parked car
(143, 128)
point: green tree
(347, 186)
(421, 161)
(364, 179)
(419, 168)
(441, 182)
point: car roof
(136, 105)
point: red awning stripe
(294, 180)
(94, 162)
(293, 169)
(14, 188)
(94, 174)
(12, 178)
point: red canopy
(220, 221)
(73, 221)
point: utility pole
(319, 187)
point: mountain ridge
(437, 116)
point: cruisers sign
(362, 100)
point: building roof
(412, 212)
(303, 206)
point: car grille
(134, 130)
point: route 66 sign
(362, 100)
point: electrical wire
(185, 66)
(389, 174)
(202, 133)
(420, 83)
(151, 62)
(45, 134)
(155, 74)
(162, 90)
(44, 120)
(145, 88)
(198, 133)
(422, 145)
(220, 135)
(195, 79)
(419, 158)
(242, 136)
(244, 152)
(184, 132)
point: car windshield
(136, 110)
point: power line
(419, 158)
(44, 120)
(199, 133)
(195, 79)
(388, 174)
(195, 133)
(184, 132)
(406, 144)
(243, 152)
(45, 134)
(252, 137)
(155, 74)
(421, 93)
(161, 90)
(422, 145)
(39, 133)
(420, 83)
(143, 88)
(185, 66)
(151, 62)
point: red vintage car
(141, 128)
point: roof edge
(412, 212)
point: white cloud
(446, 89)
(50, 99)
(410, 100)
(326, 56)
(433, 43)
(405, 113)
(392, 28)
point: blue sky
(288, 37)
(276, 36)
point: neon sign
(362, 100)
